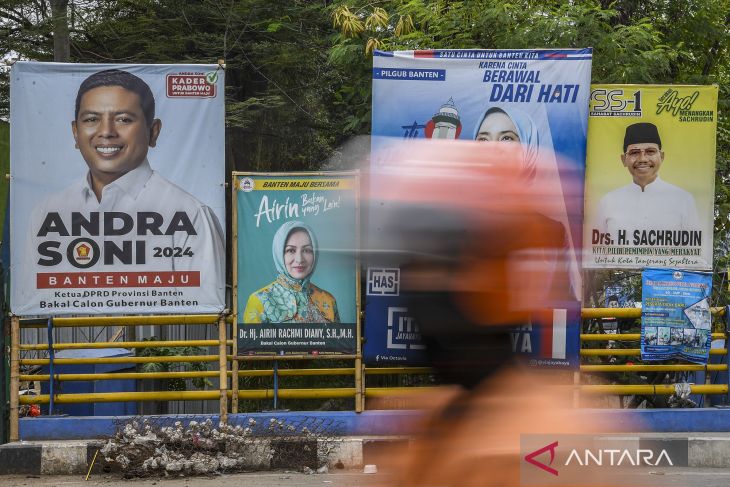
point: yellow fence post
(234, 300)
(708, 381)
(14, 377)
(359, 378)
(223, 374)
(362, 388)
(359, 385)
(234, 367)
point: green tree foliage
(280, 87)
(634, 41)
(298, 72)
(175, 384)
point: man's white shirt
(144, 191)
(659, 206)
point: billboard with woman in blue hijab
(536, 98)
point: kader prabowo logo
(190, 85)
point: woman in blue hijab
(509, 124)
(292, 297)
(502, 124)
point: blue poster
(675, 318)
(538, 98)
(400, 342)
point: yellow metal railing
(146, 344)
(623, 389)
(229, 396)
(222, 357)
(650, 390)
(129, 321)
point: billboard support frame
(223, 370)
(234, 296)
(4, 381)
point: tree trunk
(61, 46)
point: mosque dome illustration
(445, 124)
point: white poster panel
(117, 189)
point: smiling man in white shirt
(123, 239)
(648, 211)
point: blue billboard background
(448, 94)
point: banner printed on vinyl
(401, 341)
(676, 322)
(650, 179)
(460, 94)
(296, 265)
(119, 209)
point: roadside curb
(711, 450)
(75, 457)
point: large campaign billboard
(537, 98)
(650, 177)
(296, 271)
(117, 189)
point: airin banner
(118, 208)
(296, 270)
(650, 180)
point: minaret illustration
(445, 124)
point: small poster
(676, 322)
(296, 274)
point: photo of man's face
(112, 133)
(643, 161)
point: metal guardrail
(648, 390)
(221, 357)
(229, 396)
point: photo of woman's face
(299, 254)
(498, 127)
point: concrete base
(47, 458)
(351, 439)
(75, 457)
(372, 423)
(330, 423)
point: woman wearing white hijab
(292, 297)
(509, 124)
(501, 124)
